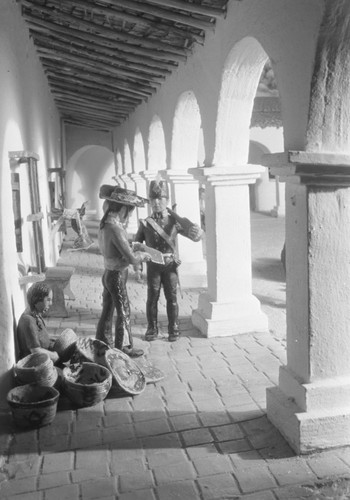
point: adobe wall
(28, 121)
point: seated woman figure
(32, 335)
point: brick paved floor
(201, 433)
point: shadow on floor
(268, 269)
(126, 429)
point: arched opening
(87, 169)
(157, 158)
(186, 132)
(127, 159)
(240, 79)
(139, 153)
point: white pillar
(148, 176)
(228, 307)
(185, 194)
(130, 184)
(141, 190)
(311, 405)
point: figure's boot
(123, 336)
(152, 321)
(104, 331)
(173, 322)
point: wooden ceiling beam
(130, 42)
(71, 106)
(81, 85)
(52, 68)
(144, 8)
(103, 105)
(106, 58)
(155, 25)
(95, 65)
(90, 122)
(93, 91)
(106, 119)
(87, 124)
(88, 39)
(192, 8)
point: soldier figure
(159, 231)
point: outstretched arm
(121, 242)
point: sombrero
(121, 195)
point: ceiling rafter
(124, 69)
(130, 42)
(70, 35)
(158, 25)
(103, 58)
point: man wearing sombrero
(118, 255)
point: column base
(307, 432)
(193, 274)
(215, 319)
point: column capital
(135, 176)
(227, 176)
(178, 176)
(310, 167)
(148, 175)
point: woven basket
(37, 369)
(33, 405)
(65, 344)
(86, 384)
(125, 372)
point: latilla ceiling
(103, 58)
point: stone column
(133, 221)
(185, 195)
(148, 176)
(228, 307)
(141, 190)
(311, 405)
(118, 180)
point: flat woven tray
(126, 373)
(152, 373)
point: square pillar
(311, 405)
(148, 176)
(228, 307)
(141, 190)
(185, 195)
(133, 222)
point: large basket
(126, 373)
(86, 384)
(37, 369)
(65, 344)
(33, 405)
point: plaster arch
(11, 299)
(119, 162)
(186, 132)
(139, 158)
(86, 170)
(157, 157)
(260, 191)
(240, 78)
(127, 158)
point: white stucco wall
(28, 121)
(273, 24)
(86, 170)
(269, 192)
